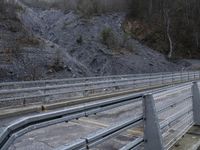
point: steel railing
(94, 86)
(39, 83)
(154, 133)
(37, 121)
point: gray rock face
(25, 56)
(65, 29)
(71, 45)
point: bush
(10, 9)
(12, 51)
(58, 64)
(8, 54)
(88, 8)
(108, 37)
(79, 40)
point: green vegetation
(107, 37)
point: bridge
(142, 111)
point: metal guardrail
(99, 137)
(156, 125)
(154, 133)
(44, 83)
(38, 121)
(39, 83)
(47, 94)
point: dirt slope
(57, 44)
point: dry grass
(28, 41)
(8, 54)
(58, 64)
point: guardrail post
(182, 76)
(196, 103)
(152, 134)
(199, 74)
(24, 101)
(150, 80)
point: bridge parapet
(50, 91)
(165, 115)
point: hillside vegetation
(169, 26)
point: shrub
(79, 40)
(58, 64)
(88, 8)
(8, 54)
(108, 37)
(12, 52)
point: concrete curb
(18, 111)
(11, 112)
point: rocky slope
(50, 43)
(25, 56)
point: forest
(169, 26)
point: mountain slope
(98, 42)
(53, 43)
(25, 56)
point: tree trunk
(150, 7)
(197, 39)
(168, 34)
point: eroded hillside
(52, 43)
(25, 56)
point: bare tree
(167, 22)
(150, 7)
